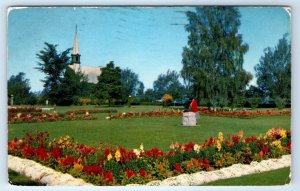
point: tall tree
(273, 71)
(140, 91)
(169, 84)
(72, 86)
(18, 87)
(109, 84)
(130, 83)
(52, 64)
(213, 59)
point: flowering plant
(107, 164)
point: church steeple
(75, 51)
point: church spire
(75, 51)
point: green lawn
(274, 177)
(152, 132)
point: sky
(147, 40)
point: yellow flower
(277, 144)
(219, 145)
(220, 137)
(117, 155)
(109, 157)
(283, 133)
(142, 147)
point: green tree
(169, 84)
(213, 59)
(53, 65)
(130, 84)
(19, 87)
(140, 91)
(71, 87)
(273, 71)
(150, 96)
(109, 84)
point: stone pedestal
(189, 119)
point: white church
(92, 72)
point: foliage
(273, 71)
(71, 87)
(169, 84)
(131, 85)
(213, 59)
(109, 83)
(19, 87)
(113, 165)
(167, 100)
(280, 102)
(53, 64)
(150, 96)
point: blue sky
(147, 40)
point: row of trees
(212, 70)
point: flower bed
(203, 111)
(113, 165)
(243, 114)
(83, 111)
(24, 110)
(45, 117)
(50, 177)
(147, 114)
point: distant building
(92, 72)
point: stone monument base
(189, 119)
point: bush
(253, 102)
(280, 102)
(167, 100)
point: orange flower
(78, 166)
(160, 166)
(189, 164)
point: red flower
(189, 146)
(235, 138)
(67, 161)
(55, 153)
(154, 152)
(206, 161)
(288, 146)
(250, 139)
(130, 173)
(108, 176)
(41, 153)
(265, 150)
(28, 151)
(106, 152)
(93, 169)
(143, 173)
(177, 167)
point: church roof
(75, 46)
(91, 72)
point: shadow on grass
(20, 180)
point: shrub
(280, 102)
(167, 100)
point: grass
(152, 132)
(157, 132)
(274, 177)
(18, 179)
